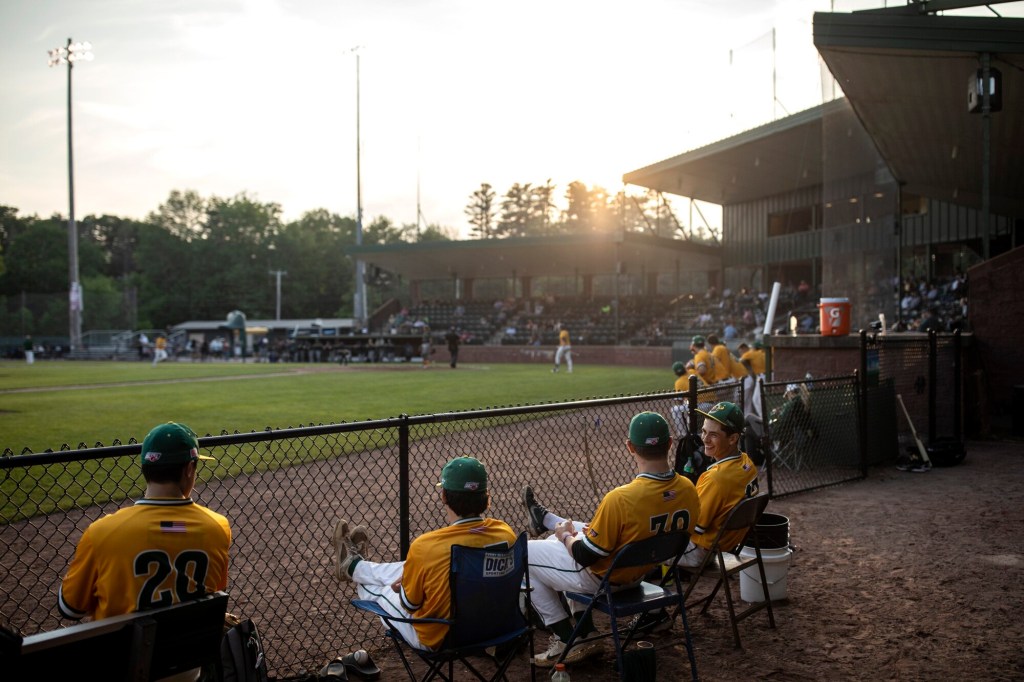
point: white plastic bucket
(776, 568)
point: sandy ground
(900, 577)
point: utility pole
(69, 54)
(278, 273)
(360, 302)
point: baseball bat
(920, 446)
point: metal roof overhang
(776, 158)
(906, 78)
(561, 255)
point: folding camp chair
(792, 431)
(641, 599)
(722, 563)
(486, 585)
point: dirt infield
(900, 577)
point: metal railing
(282, 491)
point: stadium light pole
(360, 302)
(69, 54)
(278, 273)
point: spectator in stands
(30, 351)
(729, 333)
(803, 290)
(163, 550)
(930, 322)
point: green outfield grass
(98, 402)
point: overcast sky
(259, 96)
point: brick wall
(996, 290)
(635, 356)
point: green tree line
(197, 258)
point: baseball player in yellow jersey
(163, 550)
(576, 556)
(753, 362)
(739, 372)
(418, 587)
(731, 478)
(160, 353)
(564, 350)
(703, 363)
(679, 410)
(723, 359)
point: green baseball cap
(464, 474)
(758, 345)
(678, 367)
(697, 340)
(647, 429)
(170, 443)
(726, 414)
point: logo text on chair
(498, 565)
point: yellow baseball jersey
(723, 362)
(704, 366)
(683, 383)
(738, 370)
(155, 553)
(756, 359)
(722, 487)
(426, 592)
(648, 505)
(161, 343)
(563, 338)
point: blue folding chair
(640, 599)
(486, 584)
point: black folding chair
(721, 563)
(133, 647)
(640, 599)
(486, 584)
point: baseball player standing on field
(576, 556)
(418, 587)
(564, 350)
(162, 550)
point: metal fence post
(933, 375)
(766, 439)
(958, 417)
(862, 403)
(403, 486)
(692, 398)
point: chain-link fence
(812, 434)
(283, 490)
(927, 373)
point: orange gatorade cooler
(835, 316)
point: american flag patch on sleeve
(172, 526)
